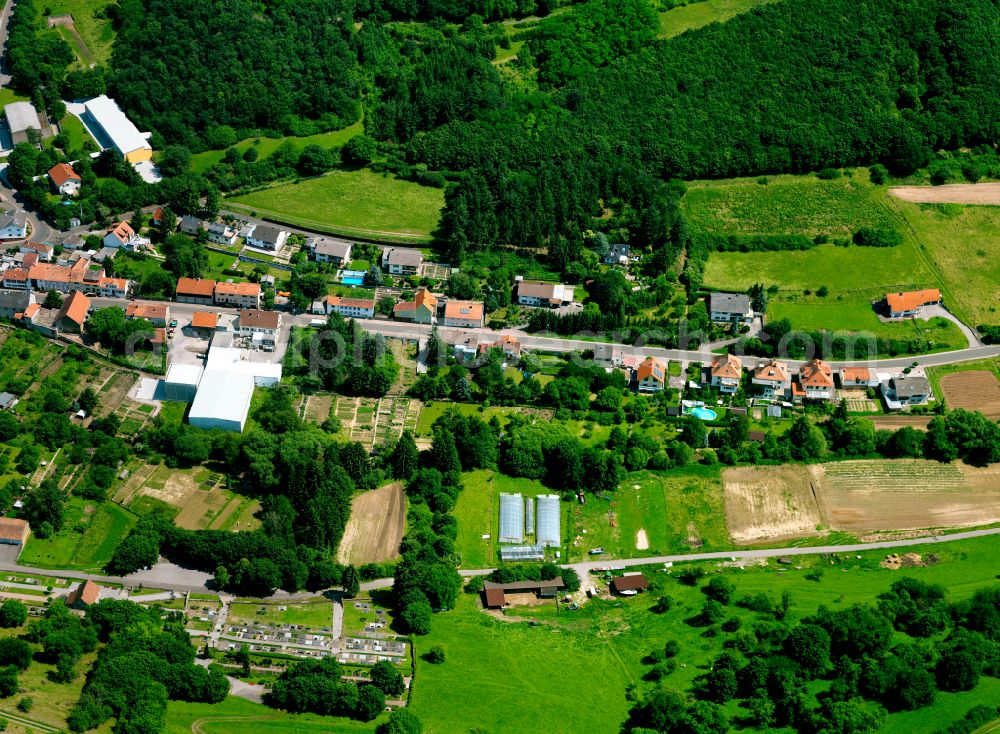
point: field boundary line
(373, 235)
(29, 723)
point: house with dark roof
(906, 390)
(495, 595)
(629, 584)
(732, 308)
(14, 302)
(329, 250)
(266, 237)
(401, 261)
(536, 293)
(13, 226)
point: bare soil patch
(318, 407)
(980, 193)
(641, 541)
(895, 422)
(375, 528)
(975, 390)
(860, 496)
(894, 561)
(770, 503)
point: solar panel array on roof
(529, 516)
(548, 520)
(511, 518)
(522, 553)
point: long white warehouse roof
(184, 374)
(222, 397)
(21, 116)
(124, 135)
(229, 359)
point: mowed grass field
(677, 20)
(679, 510)
(570, 671)
(963, 242)
(201, 162)
(516, 679)
(351, 202)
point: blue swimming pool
(705, 414)
(352, 281)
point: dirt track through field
(375, 529)
(974, 390)
(981, 193)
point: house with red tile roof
(772, 380)
(421, 310)
(73, 314)
(910, 303)
(726, 373)
(651, 375)
(464, 314)
(195, 290)
(815, 381)
(65, 180)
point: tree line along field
(350, 203)
(952, 247)
(582, 659)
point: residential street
(418, 332)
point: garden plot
(318, 407)
(405, 353)
(394, 415)
(895, 422)
(199, 495)
(975, 390)
(375, 528)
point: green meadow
(350, 203)
(201, 162)
(697, 14)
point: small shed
(83, 595)
(630, 582)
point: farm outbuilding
(495, 595)
(548, 532)
(14, 532)
(511, 518)
(630, 582)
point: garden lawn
(351, 202)
(74, 129)
(810, 314)
(201, 162)
(855, 272)
(435, 409)
(514, 678)
(803, 205)
(963, 243)
(239, 716)
(678, 20)
(680, 510)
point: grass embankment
(238, 716)
(571, 671)
(359, 203)
(201, 162)
(688, 17)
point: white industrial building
(106, 119)
(21, 117)
(228, 359)
(223, 401)
(182, 381)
